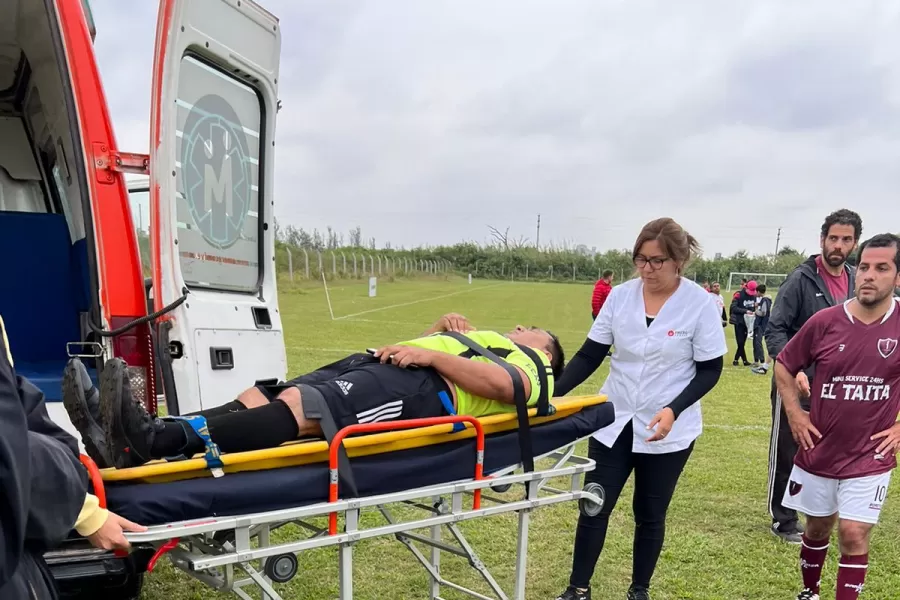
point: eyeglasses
(655, 263)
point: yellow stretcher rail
(307, 452)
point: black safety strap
(315, 407)
(521, 402)
(544, 408)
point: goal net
(771, 280)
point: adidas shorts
(359, 389)
(858, 499)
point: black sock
(266, 426)
(230, 407)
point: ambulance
(205, 323)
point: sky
(426, 123)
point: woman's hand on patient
(663, 420)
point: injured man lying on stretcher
(440, 373)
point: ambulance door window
(218, 150)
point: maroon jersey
(855, 392)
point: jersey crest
(886, 347)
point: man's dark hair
(607, 273)
(883, 240)
(843, 217)
(761, 289)
(558, 356)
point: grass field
(717, 545)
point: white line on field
(737, 427)
(366, 312)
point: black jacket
(742, 304)
(801, 295)
(43, 486)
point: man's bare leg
(294, 401)
(814, 549)
(252, 398)
(854, 543)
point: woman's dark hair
(558, 356)
(676, 242)
(883, 240)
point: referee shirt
(653, 364)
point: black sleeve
(706, 378)
(15, 468)
(785, 312)
(58, 489)
(38, 418)
(582, 366)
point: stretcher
(218, 529)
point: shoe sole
(783, 537)
(75, 402)
(112, 387)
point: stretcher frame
(216, 550)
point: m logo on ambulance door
(216, 170)
(886, 347)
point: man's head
(716, 287)
(878, 271)
(541, 339)
(608, 275)
(761, 290)
(840, 235)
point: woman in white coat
(669, 343)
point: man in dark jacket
(742, 303)
(821, 281)
(44, 489)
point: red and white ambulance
(72, 281)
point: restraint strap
(544, 408)
(315, 407)
(212, 455)
(525, 448)
(448, 406)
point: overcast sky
(426, 121)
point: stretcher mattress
(408, 466)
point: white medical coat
(652, 365)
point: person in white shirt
(669, 343)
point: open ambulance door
(212, 132)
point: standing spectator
(743, 303)
(601, 291)
(669, 349)
(716, 291)
(763, 310)
(823, 280)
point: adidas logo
(344, 385)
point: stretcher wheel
(502, 488)
(281, 568)
(588, 507)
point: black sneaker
(82, 401)
(638, 592)
(807, 594)
(573, 593)
(129, 428)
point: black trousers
(782, 449)
(740, 336)
(759, 354)
(655, 478)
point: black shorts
(359, 389)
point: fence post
(321, 269)
(526, 271)
(333, 263)
(371, 265)
(344, 263)
(290, 262)
(551, 272)
(306, 261)
(573, 271)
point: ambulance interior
(45, 281)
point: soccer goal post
(770, 280)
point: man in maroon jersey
(850, 435)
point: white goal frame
(758, 277)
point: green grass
(717, 541)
